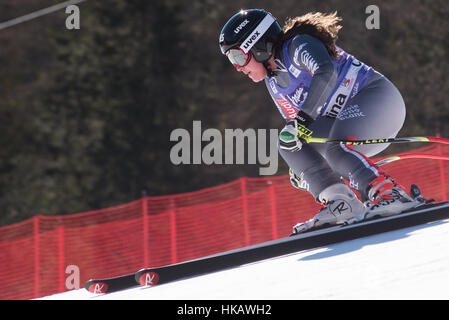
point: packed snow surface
(411, 263)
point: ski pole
(410, 156)
(383, 140)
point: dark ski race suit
(347, 99)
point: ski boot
(387, 198)
(341, 204)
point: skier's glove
(296, 132)
(288, 138)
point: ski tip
(148, 279)
(96, 287)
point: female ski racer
(323, 91)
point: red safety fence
(41, 256)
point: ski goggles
(238, 58)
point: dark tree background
(86, 115)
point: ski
(312, 239)
(308, 240)
(109, 285)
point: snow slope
(411, 263)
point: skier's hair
(323, 26)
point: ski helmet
(252, 30)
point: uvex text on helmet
(252, 30)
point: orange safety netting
(37, 255)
